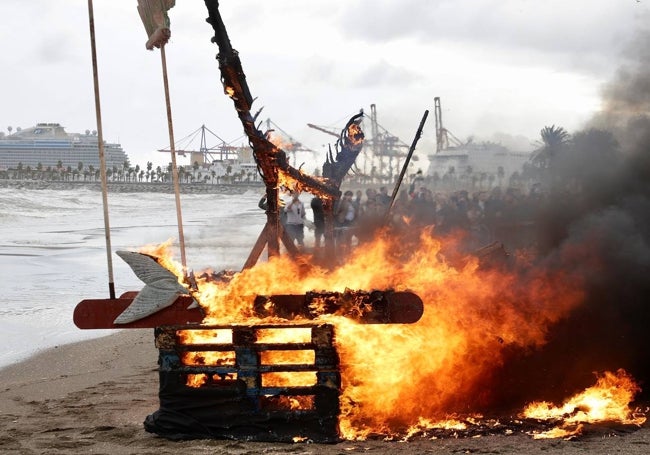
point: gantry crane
(443, 134)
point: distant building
(48, 144)
(476, 159)
(233, 168)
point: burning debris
(607, 401)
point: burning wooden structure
(232, 380)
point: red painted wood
(100, 313)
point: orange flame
(163, 254)
(608, 400)
(471, 317)
(354, 134)
(286, 180)
(196, 380)
(279, 141)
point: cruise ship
(48, 144)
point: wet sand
(93, 396)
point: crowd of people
(479, 218)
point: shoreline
(134, 187)
(92, 397)
(147, 187)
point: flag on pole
(156, 22)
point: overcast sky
(506, 67)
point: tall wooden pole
(102, 159)
(170, 128)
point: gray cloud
(383, 73)
(575, 34)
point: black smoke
(596, 223)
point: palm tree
(554, 141)
(125, 169)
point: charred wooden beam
(376, 307)
(270, 158)
(272, 161)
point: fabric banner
(156, 21)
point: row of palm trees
(559, 157)
(125, 173)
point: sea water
(53, 252)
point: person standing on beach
(264, 205)
(345, 216)
(295, 226)
(319, 220)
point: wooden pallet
(240, 382)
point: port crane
(444, 138)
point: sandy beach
(93, 396)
